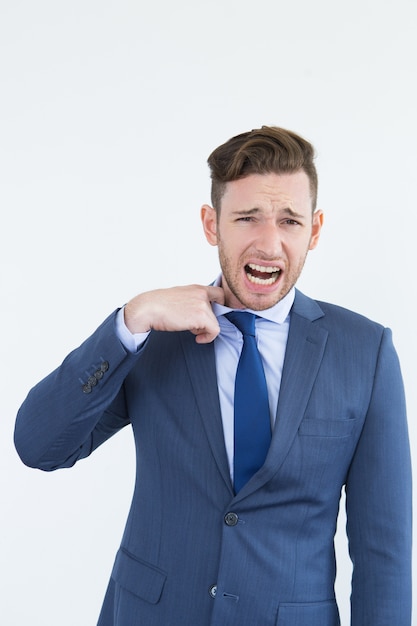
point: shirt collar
(277, 313)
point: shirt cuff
(131, 341)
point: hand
(176, 308)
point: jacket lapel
(304, 352)
(201, 366)
(303, 355)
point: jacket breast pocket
(138, 577)
(308, 614)
(313, 427)
(323, 450)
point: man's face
(263, 232)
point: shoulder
(337, 318)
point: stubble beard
(255, 301)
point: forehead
(268, 190)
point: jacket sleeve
(78, 406)
(378, 501)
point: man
(216, 536)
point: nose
(268, 241)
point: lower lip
(262, 287)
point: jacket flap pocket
(309, 614)
(138, 577)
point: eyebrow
(286, 211)
(246, 212)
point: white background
(108, 111)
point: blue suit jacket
(193, 553)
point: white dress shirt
(272, 326)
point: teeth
(273, 271)
(264, 270)
(261, 281)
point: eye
(291, 222)
(247, 218)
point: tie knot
(244, 321)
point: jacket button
(92, 381)
(231, 519)
(213, 590)
(98, 375)
(87, 388)
(104, 366)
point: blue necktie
(252, 426)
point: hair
(261, 151)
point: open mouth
(262, 274)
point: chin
(262, 305)
(258, 302)
(261, 301)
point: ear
(209, 221)
(318, 218)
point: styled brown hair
(261, 151)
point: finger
(215, 294)
(205, 337)
(207, 332)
